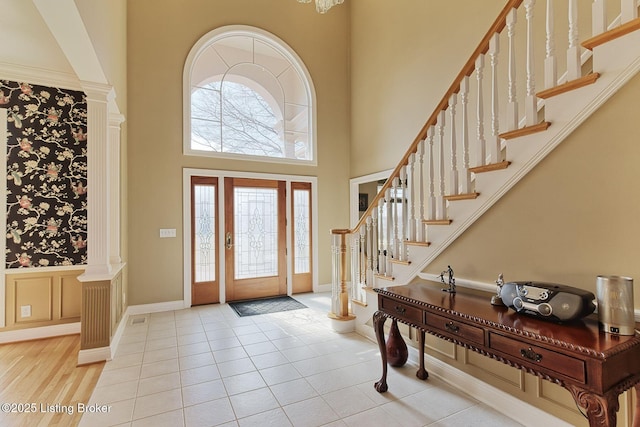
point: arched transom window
(248, 95)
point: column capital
(98, 91)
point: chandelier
(322, 6)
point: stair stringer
(565, 112)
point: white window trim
(187, 173)
(273, 41)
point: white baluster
(382, 258)
(368, 279)
(573, 51)
(453, 174)
(431, 206)
(374, 244)
(440, 205)
(396, 219)
(629, 11)
(363, 260)
(389, 227)
(482, 144)
(421, 235)
(495, 146)
(512, 106)
(403, 223)
(411, 192)
(531, 103)
(355, 266)
(598, 17)
(550, 64)
(465, 187)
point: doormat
(266, 306)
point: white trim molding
(39, 332)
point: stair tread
(466, 196)
(437, 221)
(527, 130)
(612, 34)
(490, 167)
(569, 86)
(417, 243)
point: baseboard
(39, 332)
(323, 288)
(528, 415)
(155, 307)
(93, 355)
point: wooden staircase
(460, 164)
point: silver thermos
(615, 305)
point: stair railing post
(389, 230)
(356, 254)
(339, 290)
(370, 226)
(574, 64)
(550, 64)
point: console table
(594, 366)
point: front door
(255, 238)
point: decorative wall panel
(46, 175)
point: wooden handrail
(468, 68)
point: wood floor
(41, 376)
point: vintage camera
(548, 301)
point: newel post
(343, 321)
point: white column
(573, 51)
(98, 185)
(550, 66)
(115, 120)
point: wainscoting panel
(41, 299)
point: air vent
(138, 320)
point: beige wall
(404, 54)
(572, 217)
(159, 40)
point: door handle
(227, 239)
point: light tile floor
(205, 366)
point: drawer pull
(400, 309)
(451, 327)
(531, 355)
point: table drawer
(561, 363)
(451, 327)
(402, 311)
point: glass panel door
(255, 242)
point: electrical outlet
(25, 311)
(167, 232)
